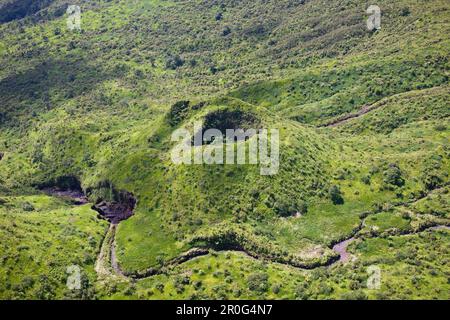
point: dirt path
(114, 263)
(107, 265)
(381, 103)
(346, 118)
(341, 249)
(101, 264)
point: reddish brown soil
(346, 118)
(77, 197)
(341, 248)
(115, 212)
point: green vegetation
(364, 129)
(43, 237)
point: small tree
(284, 208)
(432, 179)
(405, 11)
(393, 176)
(336, 195)
(258, 282)
(174, 62)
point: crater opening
(223, 120)
(112, 204)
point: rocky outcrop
(68, 187)
(116, 211)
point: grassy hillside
(364, 129)
(43, 237)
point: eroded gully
(107, 263)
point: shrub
(160, 287)
(276, 288)
(26, 206)
(393, 176)
(284, 208)
(178, 112)
(354, 295)
(27, 282)
(431, 180)
(440, 127)
(301, 292)
(258, 282)
(325, 289)
(174, 62)
(198, 285)
(336, 195)
(366, 180)
(405, 11)
(226, 31)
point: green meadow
(364, 127)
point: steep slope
(99, 105)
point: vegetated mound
(182, 201)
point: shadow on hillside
(33, 90)
(19, 9)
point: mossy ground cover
(41, 238)
(412, 267)
(96, 105)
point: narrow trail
(340, 248)
(107, 264)
(114, 264)
(377, 105)
(101, 264)
(346, 118)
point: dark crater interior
(230, 119)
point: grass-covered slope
(363, 120)
(42, 238)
